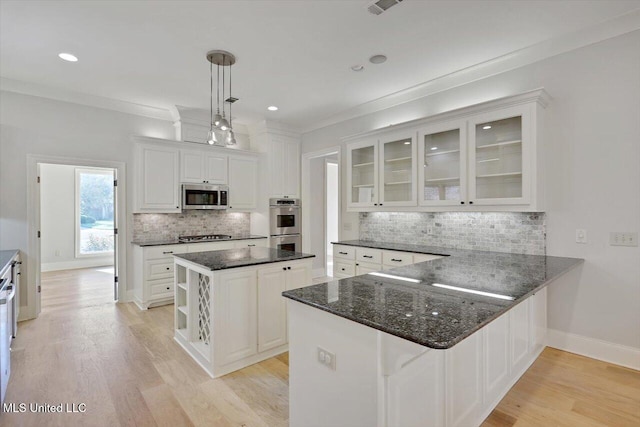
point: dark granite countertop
(401, 247)
(420, 309)
(5, 258)
(234, 258)
(176, 242)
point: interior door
(115, 235)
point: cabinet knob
(375, 204)
(462, 203)
(168, 288)
(380, 204)
(357, 264)
(168, 268)
(288, 268)
(471, 202)
(284, 268)
(342, 269)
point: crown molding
(623, 24)
(43, 91)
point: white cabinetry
(153, 268)
(157, 186)
(243, 184)
(229, 319)
(283, 159)
(483, 157)
(354, 261)
(272, 308)
(381, 171)
(203, 167)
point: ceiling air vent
(377, 7)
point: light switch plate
(581, 235)
(622, 238)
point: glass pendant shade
(216, 120)
(211, 137)
(224, 124)
(231, 138)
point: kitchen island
(437, 343)
(229, 312)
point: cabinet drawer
(156, 252)
(158, 269)
(259, 243)
(424, 257)
(161, 288)
(342, 268)
(344, 252)
(393, 259)
(211, 246)
(366, 267)
(369, 255)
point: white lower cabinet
(414, 385)
(349, 261)
(235, 308)
(153, 268)
(229, 319)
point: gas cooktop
(203, 238)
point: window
(94, 212)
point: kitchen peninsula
(436, 343)
(229, 312)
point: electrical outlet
(327, 358)
(145, 227)
(57, 252)
(619, 238)
(581, 235)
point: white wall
(33, 125)
(593, 174)
(57, 223)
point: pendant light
(211, 137)
(219, 121)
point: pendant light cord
(224, 61)
(230, 97)
(218, 89)
(211, 92)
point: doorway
(30, 299)
(78, 242)
(321, 207)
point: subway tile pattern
(157, 227)
(512, 232)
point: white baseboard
(318, 272)
(596, 349)
(79, 263)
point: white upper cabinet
(397, 169)
(362, 174)
(243, 183)
(157, 186)
(203, 167)
(487, 157)
(500, 159)
(442, 171)
(382, 171)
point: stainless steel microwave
(205, 196)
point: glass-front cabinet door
(362, 173)
(499, 168)
(442, 169)
(398, 169)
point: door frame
(306, 192)
(32, 310)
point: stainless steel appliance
(287, 242)
(285, 229)
(205, 196)
(15, 307)
(285, 216)
(203, 238)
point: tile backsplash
(154, 227)
(513, 232)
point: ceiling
(293, 54)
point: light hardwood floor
(124, 365)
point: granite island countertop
(5, 258)
(244, 257)
(436, 303)
(177, 242)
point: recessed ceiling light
(68, 57)
(378, 59)
(407, 143)
(434, 148)
(357, 67)
(485, 127)
(272, 108)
